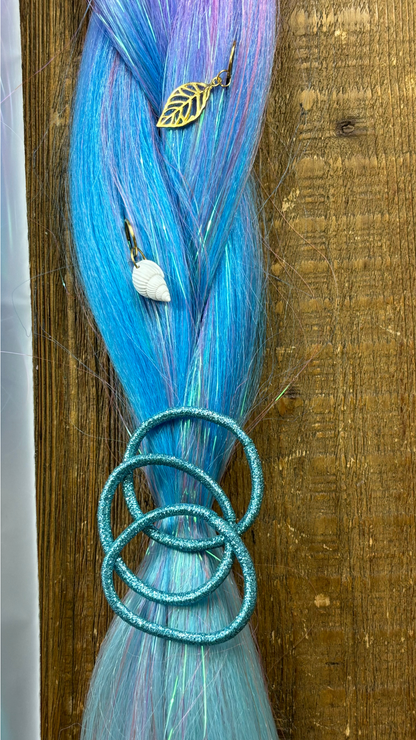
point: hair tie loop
(229, 530)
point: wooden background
(335, 545)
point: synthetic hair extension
(189, 197)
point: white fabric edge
(20, 643)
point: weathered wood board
(335, 545)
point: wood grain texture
(335, 545)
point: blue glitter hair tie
(229, 531)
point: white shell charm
(149, 281)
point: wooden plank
(341, 652)
(335, 545)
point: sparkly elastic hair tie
(230, 530)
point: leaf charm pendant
(187, 102)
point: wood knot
(347, 127)
(290, 402)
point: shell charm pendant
(148, 277)
(149, 281)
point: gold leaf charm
(187, 102)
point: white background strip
(20, 669)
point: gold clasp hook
(229, 70)
(131, 240)
(231, 62)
